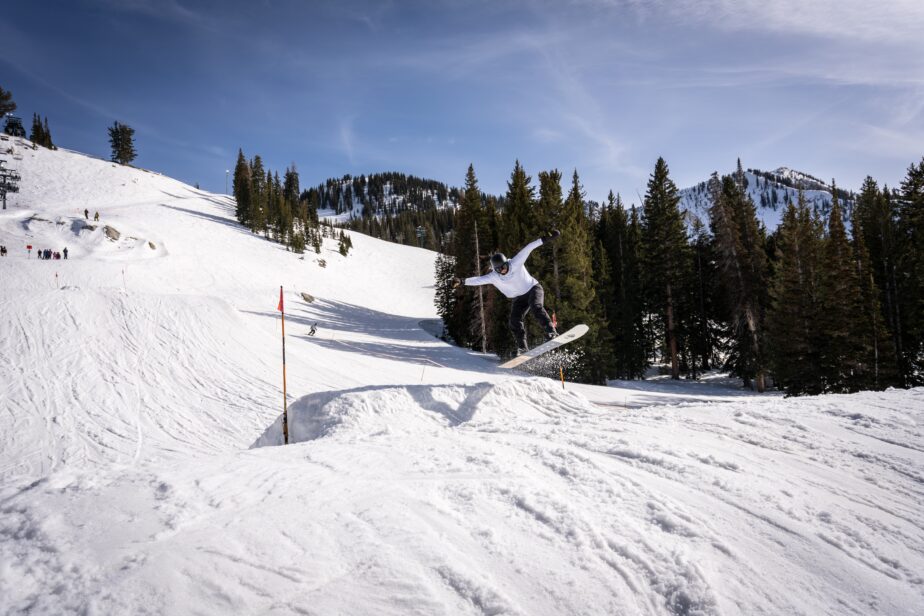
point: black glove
(552, 236)
(456, 282)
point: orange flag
(279, 307)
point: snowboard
(562, 339)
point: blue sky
(831, 87)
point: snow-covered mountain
(350, 197)
(771, 192)
(140, 402)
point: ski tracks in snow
(163, 381)
(505, 498)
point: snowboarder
(511, 278)
(313, 330)
(65, 253)
(86, 213)
(96, 217)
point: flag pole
(285, 410)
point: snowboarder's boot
(552, 333)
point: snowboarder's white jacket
(516, 281)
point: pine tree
(259, 195)
(519, 227)
(47, 132)
(632, 315)
(795, 304)
(37, 135)
(706, 330)
(623, 306)
(602, 283)
(290, 190)
(743, 269)
(841, 312)
(298, 243)
(468, 326)
(876, 220)
(548, 215)
(122, 140)
(445, 297)
(7, 104)
(242, 189)
(665, 256)
(576, 299)
(342, 244)
(877, 368)
(910, 264)
(316, 241)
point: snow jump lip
(383, 409)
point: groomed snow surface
(141, 472)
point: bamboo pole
(285, 409)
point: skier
(86, 213)
(511, 278)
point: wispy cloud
(464, 54)
(347, 138)
(895, 21)
(172, 10)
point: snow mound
(373, 411)
(81, 237)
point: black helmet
(498, 261)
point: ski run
(141, 472)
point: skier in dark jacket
(511, 278)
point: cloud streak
(895, 21)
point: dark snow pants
(531, 301)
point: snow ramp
(380, 410)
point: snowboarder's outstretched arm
(520, 257)
(476, 281)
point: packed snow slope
(140, 471)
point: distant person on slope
(86, 214)
(65, 253)
(511, 278)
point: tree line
(389, 193)
(275, 207)
(121, 136)
(809, 308)
(430, 228)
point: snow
(141, 471)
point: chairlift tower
(13, 126)
(9, 182)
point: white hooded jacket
(516, 281)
